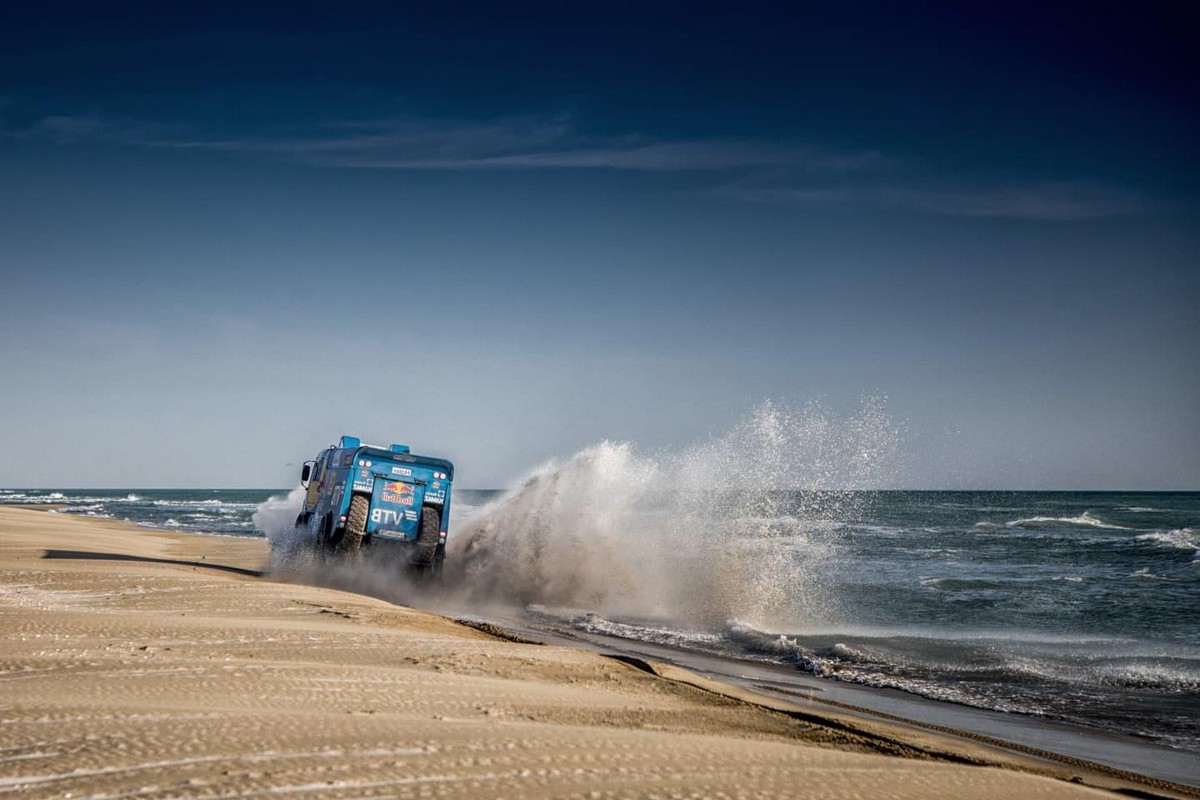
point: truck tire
(427, 539)
(356, 522)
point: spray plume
(738, 527)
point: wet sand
(140, 663)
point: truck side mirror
(305, 473)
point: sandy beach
(139, 663)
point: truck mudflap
(395, 509)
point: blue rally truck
(383, 499)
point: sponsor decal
(403, 471)
(398, 493)
(363, 480)
(386, 516)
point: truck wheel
(356, 522)
(427, 539)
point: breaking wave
(1181, 538)
(1085, 519)
(965, 669)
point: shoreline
(175, 658)
(1051, 740)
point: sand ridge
(139, 663)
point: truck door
(316, 479)
(395, 509)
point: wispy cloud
(1070, 200)
(66, 129)
(546, 142)
(698, 156)
(383, 142)
(746, 169)
(1057, 201)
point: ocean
(1079, 607)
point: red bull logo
(398, 493)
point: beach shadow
(91, 556)
(632, 661)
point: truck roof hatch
(400, 448)
(350, 442)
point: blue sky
(502, 233)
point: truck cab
(384, 500)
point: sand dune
(141, 664)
